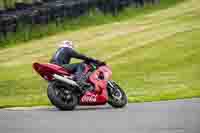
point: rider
(63, 56)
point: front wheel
(117, 97)
(61, 96)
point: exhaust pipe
(65, 80)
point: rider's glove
(101, 63)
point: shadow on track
(81, 108)
(52, 108)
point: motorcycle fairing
(99, 96)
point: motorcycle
(64, 93)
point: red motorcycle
(66, 94)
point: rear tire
(56, 95)
(118, 100)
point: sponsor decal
(89, 98)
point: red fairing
(100, 83)
(98, 78)
(47, 70)
(99, 96)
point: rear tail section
(47, 71)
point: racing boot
(81, 81)
(85, 86)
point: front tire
(57, 95)
(117, 97)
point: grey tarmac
(178, 116)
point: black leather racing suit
(63, 56)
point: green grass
(28, 32)
(154, 57)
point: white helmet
(66, 43)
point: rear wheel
(117, 97)
(61, 96)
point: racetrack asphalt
(180, 116)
